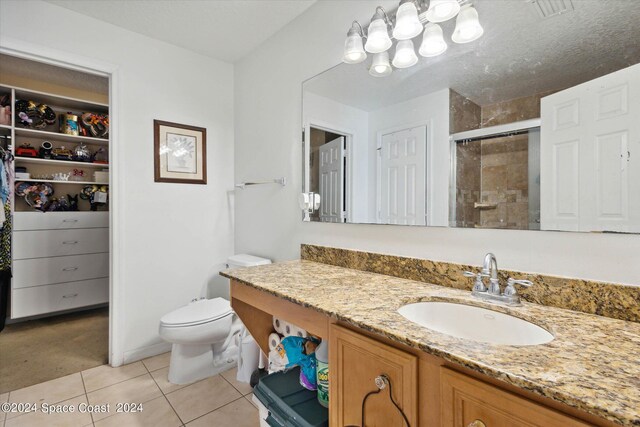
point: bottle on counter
(322, 373)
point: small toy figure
(63, 204)
(73, 202)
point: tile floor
(218, 401)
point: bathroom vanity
(587, 375)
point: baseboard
(10, 321)
(144, 352)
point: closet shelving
(60, 260)
(37, 160)
(46, 135)
(37, 166)
(54, 181)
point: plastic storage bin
(263, 412)
(289, 404)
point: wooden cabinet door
(354, 363)
(467, 402)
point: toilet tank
(245, 260)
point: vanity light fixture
(405, 56)
(468, 26)
(407, 24)
(380, 66)
(433, 43)
(442, 10)
(378, 39)
(353, 51)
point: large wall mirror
(535, 125)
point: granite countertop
(592, 364)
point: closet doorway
(55, 246)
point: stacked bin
(283, 402)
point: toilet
(203, 333)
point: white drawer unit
(59, 220)
(63, 296)
(50, 243)
(46, 271)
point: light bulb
(378, 39)
(380, 66)
(353, 51)
(405, 56)
(407, 22)
(433, 43)
(468, 26)
(442, 10)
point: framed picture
(180, 153)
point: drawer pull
(477, 423)
(70, 242)
(69, 220)
(70, 269)
(75, 295)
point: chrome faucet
(493, 293)
(490, 269)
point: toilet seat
(197, 313)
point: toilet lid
(197, 312)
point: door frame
(427, 167)
(73, 61)
(348, 176)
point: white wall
(344, 119)
(432, 111)
(267, 145)
(173, 238)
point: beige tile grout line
(241, 393)
(217, 409)
(163, 393)
(86, 395)
(242, 396)
(119, 382)
(6, 418)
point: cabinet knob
(477, 423)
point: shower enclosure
(496, 181)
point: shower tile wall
(492, 172)
(504, 182)
(514, 110)
(464, 114)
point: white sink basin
(475, 323)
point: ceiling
(520, 54)
(222, 29)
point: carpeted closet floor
(40, 350)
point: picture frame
(180, 153)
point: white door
(590, 155)
(403, 177)
(332, 181)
